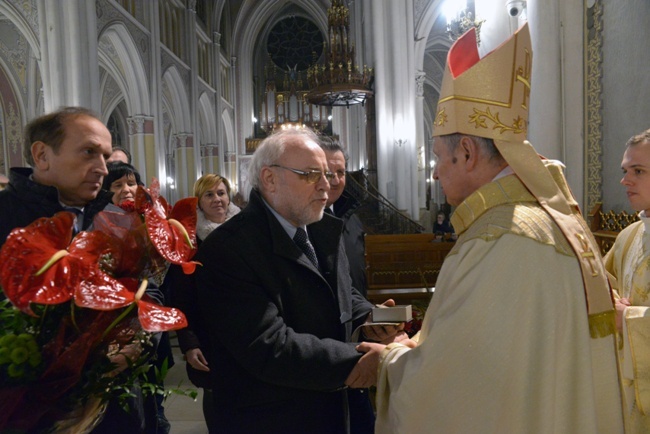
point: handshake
(364, 373)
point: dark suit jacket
(277, 326)
(353, 237)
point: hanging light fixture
(460, 18)
(338, 81)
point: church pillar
(394, 64)
(143, 147)
(69, 63)
(192, 47)
(210, 158)
(557, 100)
(423, 151)
(161, 159)
(244, 129)
(218, 103)
(229, 169)
(185, 165)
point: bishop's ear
(469, 152)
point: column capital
(420, 76)
(140, 124)
(183, 140)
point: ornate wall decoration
(15, 50)
(13, 129)
(11, 122)
(593, 105)
(110, 93)
(29, 10)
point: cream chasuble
(628, 262)
(505, 344)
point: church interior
(191, 87)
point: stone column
(218, 103)
(185, 175)
(143, 147)
(160, 153)
(392, 32)
(69, 53)
(193, 59)
(210, 158)
(229, 168)
(422, 144)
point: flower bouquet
(76, 302)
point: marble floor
(184, 414)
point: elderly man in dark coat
(279, 316)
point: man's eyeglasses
(312, 177)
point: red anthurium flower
(38, 266)
(102, 292)
(173, 233)
(156, 318)
(152, 316)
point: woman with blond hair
(214, 208)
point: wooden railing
(606, 225)
(403, 267)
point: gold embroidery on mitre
(497, 111)
(523, 76)
(479, 119)
(441, 118)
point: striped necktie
(300, 238)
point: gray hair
(487, 146)
(272, 148)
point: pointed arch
(119, 56)
(178, 100)
(207, 120)
(253, 17)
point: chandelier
(338, 81)
(463, 20)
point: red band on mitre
(463, 54)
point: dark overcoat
(278, 327)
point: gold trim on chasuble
(513, 211)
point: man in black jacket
(343, 206)
(67, 151)
(279, 316)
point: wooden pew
(404, 267)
